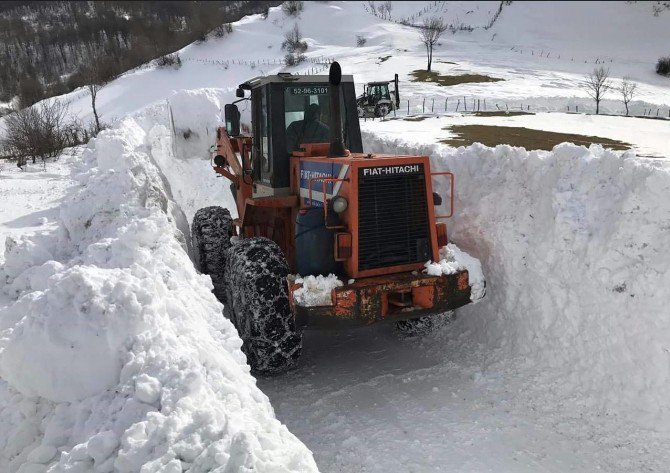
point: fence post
(407, 107)
(577, 108)
(432, 107)
(478, 103)
(423, 107)
(465, 104)
(458, 104)
(446, 101)
(484, 104)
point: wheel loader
(378, 100)
(311, 202)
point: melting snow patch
(316, 290)
(453, 260)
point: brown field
(524, 137)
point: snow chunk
(316, 290)
(453, 260)
(147, 389)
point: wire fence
(427, 105)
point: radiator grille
(392, 220)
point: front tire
(211, 232)
(382, 110)
(258, 305)
(422, 326)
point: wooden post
(432, 107)
(465, 104)
(407, 107)
(577, 108)
(446, 102)
(478, 103)
(484, 104)
(458, 104)
(423, 107)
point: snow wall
(574, 243)
(114, 355)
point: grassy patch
(525, 137)
(445, 62)
(500, 113)
(383, 59)
(443, 80)
(414, 119)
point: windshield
(306, 115)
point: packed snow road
(365, 401)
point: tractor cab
(376, 91)
(288, 111)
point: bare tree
(93, 75)
(431, 30)
(40, 131)
(597, 84)
(627, 90)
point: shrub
(41, 131)
(663, 66)
(360, 40)
(293, 42)
(293, 59)
(292, 8)
(222, 30)
(169, 60)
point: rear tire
(211, 232)
(423, 326)
(258, 305)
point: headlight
(340, 204)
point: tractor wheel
(211, 232)
(361, 112)
(258, 305)
(422, 326)
(382, 109)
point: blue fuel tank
(314, 244)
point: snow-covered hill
(113, 352)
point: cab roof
(288, 78)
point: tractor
(311, 202)
(378, 100)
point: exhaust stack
(337, 149)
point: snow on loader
(310, 202)
(378, 100)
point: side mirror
(239, 93)
(232, 118)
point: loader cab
(377, 91)
(287, 111)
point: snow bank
(114, 355)
(574, 243)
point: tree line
(46, 47)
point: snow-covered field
(113, 352)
